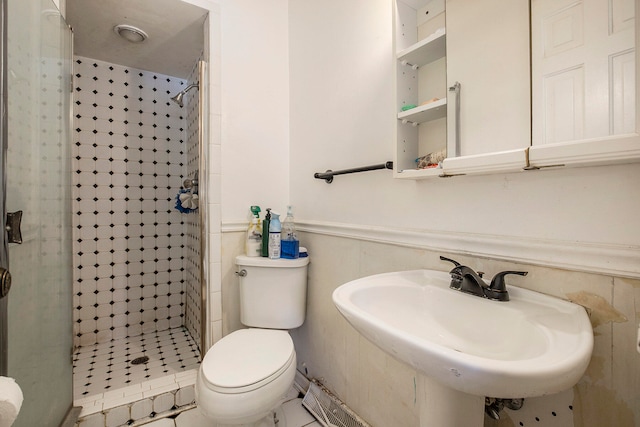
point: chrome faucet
(466, 280)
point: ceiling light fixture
(130, 33)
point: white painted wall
(255, 106)
(342, 117)
(339, 68)
(326, 103)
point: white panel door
(583, 69)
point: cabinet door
(488, 53)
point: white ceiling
(175, 29)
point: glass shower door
(38, 320)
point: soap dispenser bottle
(254, 233)
(290, 244)
(275, 228)
(265, 233)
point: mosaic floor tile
(100, 368)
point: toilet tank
(273, 292)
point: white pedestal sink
(469, 347)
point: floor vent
(328, 409)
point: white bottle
(253, 244)
(274, 235)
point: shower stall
(138, 224)
(136, 257)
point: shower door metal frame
(4, 247)
(203, 183)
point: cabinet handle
(453, 143)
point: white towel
(10, 401)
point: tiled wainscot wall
(381, 389)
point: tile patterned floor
(101, 368)
(104, 378)
(291, 414)
(136, 402)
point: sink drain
(140, 360)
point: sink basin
(530, 346)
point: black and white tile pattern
(192, 320)
(104, 367)
(152, 412)
(128, 165)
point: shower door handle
(14, 220)
(5, 282)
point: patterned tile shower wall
(192, 220)
(128, 165)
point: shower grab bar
(329, 174)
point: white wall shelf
(425, 51)
(420, 173)
(425, 113)
(420, 53)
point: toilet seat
(247, 359)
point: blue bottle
(289, 240)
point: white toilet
(245, 376)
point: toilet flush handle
(241, 273)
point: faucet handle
(497, 283)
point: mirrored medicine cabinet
(486, 86)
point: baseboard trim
(614, 260)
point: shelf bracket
(407, 64)
(407, 122)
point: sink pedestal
(445, 407)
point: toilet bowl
(245, 376)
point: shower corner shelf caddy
(410, 59)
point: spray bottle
(254, 233)
(290, 244)
(274, 236)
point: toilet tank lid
(246, 357)
(257, 261)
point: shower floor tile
(104, 367)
